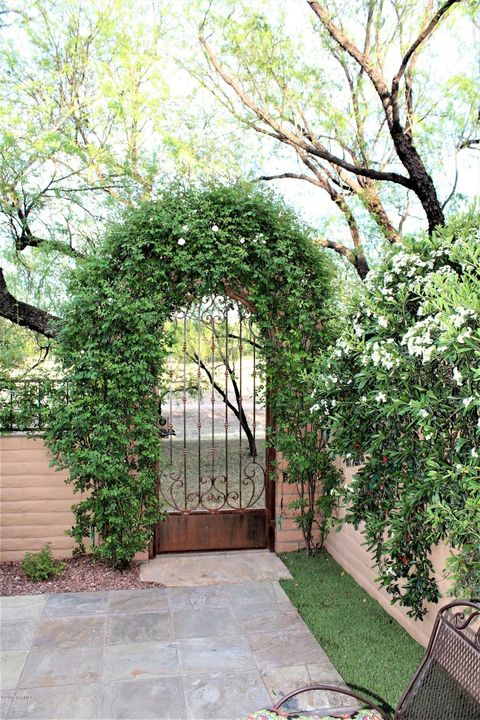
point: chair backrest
(446, 686)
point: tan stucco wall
(35, 502)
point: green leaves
(116, 334)
(402, 386)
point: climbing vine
(401, 387)
(188, 244)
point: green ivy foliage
(401, 389)
(187, 244)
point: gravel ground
(80, 575)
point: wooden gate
(215, 471)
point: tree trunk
(422, 182)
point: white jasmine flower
(363, 399)
(474, 453)
(427, 354)
(181, 241)
(466, 401)
(381, 397)
(457, 376)
(458, 467)
(185, 228)
(462, 336)
(242, 240)
(423, 413)
(383, 321)
(215, 228)
(429, 436)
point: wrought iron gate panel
(214, 422)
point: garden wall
(34, 500)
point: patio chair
(446, 686)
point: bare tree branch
(418, 41)
(26, 315)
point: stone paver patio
(184, 653)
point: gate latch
(164, 432)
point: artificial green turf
(368, 647)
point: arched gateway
(199, 307)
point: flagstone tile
(17, 634)
(74, 604)
(198, 598)
(286, 647)
(11, 666)
(220, 696)
(139, 627)
(210, 622)
(63, 632)
(265, 618)
(134, 601)
(158, 698)
(75, 702)
(22, 607)
(137, 661)
(51, 666)
(210, 655)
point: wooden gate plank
(198, 531)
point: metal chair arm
(332, 688)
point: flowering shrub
(401, 387)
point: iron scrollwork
(215, 455)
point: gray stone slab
(267, 618)
(160, 698)
(324, 674)
(211, 655)
(17, 634)
(197, 569)
(54, 666)
(198, 598)
(286, 647)
(6, 698)
(11, 666)
(139, 627)
(257, 593)
(75, 702)
(134, 601)
(221, 696)
(74, 604)
(22, 607)
(210, 622)
(138, 661)
(64, 632)
(281, 680)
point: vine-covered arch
(187, 244)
